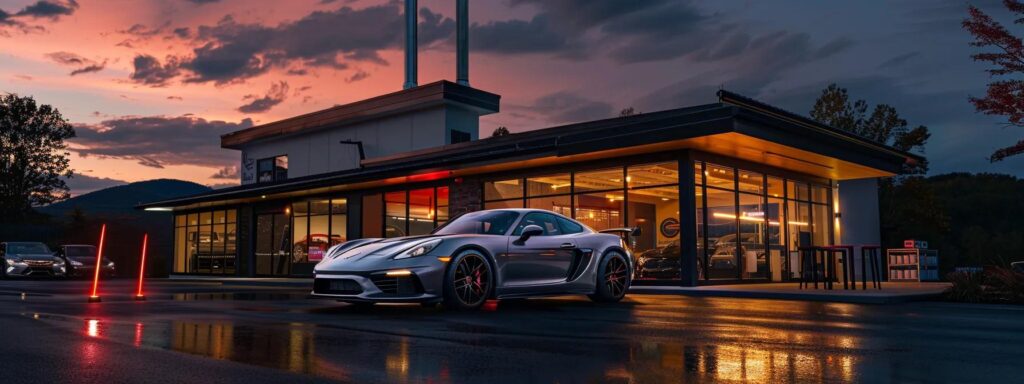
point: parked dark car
(1017, 266)
(81, 261)
(29, 259)
(659, 263)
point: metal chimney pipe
(411, 12)
(462, 42)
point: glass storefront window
(698, 174)
(647, 175)
(752, 251)
(548, 185)
(600, 211)
(204, 242)
(339, 221)
(560, 204)
(798, 191)
(442, 205)
(300, 229)
(504, 189)
(773, 213)
(657, 248)
(720, 177)
(820, 227)
(205, 218)
(422, 210)
(819, 194)
(751, 182)
(775, 187)
(395, 219)
(599, 180)
(503, 204)
(701, 246)
(722, 262)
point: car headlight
(419, 249)
(13, 260)
(110, 264)
(76, 263)
(58, 263)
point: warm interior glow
(159, 209)
(99, 258)
(400, 272)
(142, 264)
(755, 219)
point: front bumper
(28, 269)
(88, 270)
(423, 284)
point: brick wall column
(465, 195)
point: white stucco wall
(859, 223)
(321, 151)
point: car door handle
(568, 246)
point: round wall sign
(669, 227)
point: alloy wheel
(471, 280)
(615, 276)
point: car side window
(568, 226)
(547, 222)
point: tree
(500, 131)
(884, 125)
(1006, 55)
(628, 111)
(33, 155)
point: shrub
(996, 285)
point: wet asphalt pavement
(205, 332)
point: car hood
(34, 257)
(379, 248)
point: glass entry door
(273, 245)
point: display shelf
(913, 264)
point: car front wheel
(469, 281)
(612, 279)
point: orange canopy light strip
(99, 259)
(142, 264)
(754, 219)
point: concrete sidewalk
(891, 293)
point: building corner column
(687, 222)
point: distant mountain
(122, 199)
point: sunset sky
(152, 84)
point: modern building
(722, 192)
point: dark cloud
(231, 51)
(567, 107)
(178, 98)
(85, 65)
(229, 173)
(898, 60)
(183, 32)
(81, 184)
(359, 75)
(518, 36)
(141, 31)
(89, 69)
(149, 71)
(49, 9)
(202, 2)
(277, 93)
(158, 141)
(45, 9)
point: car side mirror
(530, 231)
(636, 231)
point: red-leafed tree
(1005, 52)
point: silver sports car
(505, 253)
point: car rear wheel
(612, 279)
(469, 281)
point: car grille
(337, 287)
(399, 285)
(38, 263)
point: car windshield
(80, 251)
(28, 248)
(483, 223)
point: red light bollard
(139, 296)
(94, 297)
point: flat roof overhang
(736, 131)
